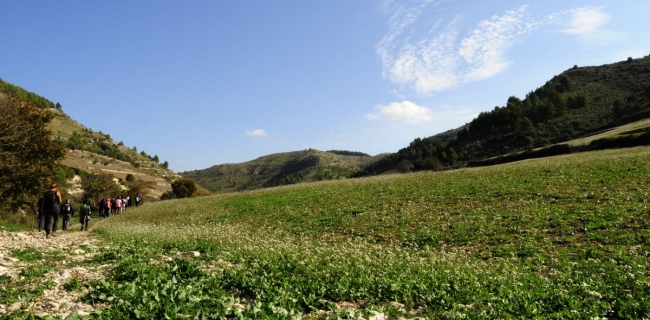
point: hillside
(280, 169)
(96, 152)
(563, 237)
(579, 102)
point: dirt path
(69, 255)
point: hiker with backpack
(84, 216)
(51, 210)
(67, 211)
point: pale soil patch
(75, 246)
(156, 178)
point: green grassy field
(633, 128)
(561, 237)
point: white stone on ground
(56, 302)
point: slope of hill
(633, 128)
(280, 169)
(559, 238)
(96, 152)
(578, 102)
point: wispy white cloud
(256, 133)
(441, 60)
(445, 58)
(484, 49)
(586, 20)
(405, 111)
(429, 65)
(588, 24)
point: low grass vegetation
(17, 221)
(634, 128)
(562, 237)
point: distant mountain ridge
(281, 169)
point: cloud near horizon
(405, 111)
(256, 133)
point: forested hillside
(576, 103)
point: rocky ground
(73, 250)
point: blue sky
(201, 83)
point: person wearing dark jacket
(51, 210)
(67, 211)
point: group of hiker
(117, 205)
(51, 207)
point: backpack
(85, 209)
(49, 201)
(66, 208)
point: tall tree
(524, 126)
(28, 155)
(98, 186)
